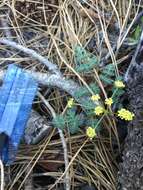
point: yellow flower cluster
(95, 97)
(109, 101)
(70, 103)
(98, 110)
(90, 132)
(119, 84)
(125, 114)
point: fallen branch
(53, 78)
(37, 126)
(52, 67)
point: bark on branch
(38, 127)
(131, 168)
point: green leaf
(137, 32)
(109, 70)
(132, 41)
(83, 91)
(84, 60)
(85, 68)
(73, 121)
(88, 105)
(92, 122)
(94, 87)
(70, 119)
(59, 122)
(117, 93)
(106, 79)
(74, 125)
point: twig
(52, 67)
(2, 175)
(67, 178)
(52, 80)
(4, 22)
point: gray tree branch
(38, 127)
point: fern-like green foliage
(107, 74)
(70, 119)
(136, 34)
(73, 121)
(109, 70)
(59, 122)
(106, 79)
(84, 60)
(83, 91)
(94, 123)
(117, 93)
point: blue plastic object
(16, 97)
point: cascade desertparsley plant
(94, 107)
(100, 110)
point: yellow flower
(125, 114)
(95, 97)
(99, 110)
(70, 103)
(90, 132)
(119, 84)
(109, 101)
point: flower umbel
(70, 103)
(125, 114)
(98, 110)
(109, 101)
(90, 132)
(95, 97)
(119, 84)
